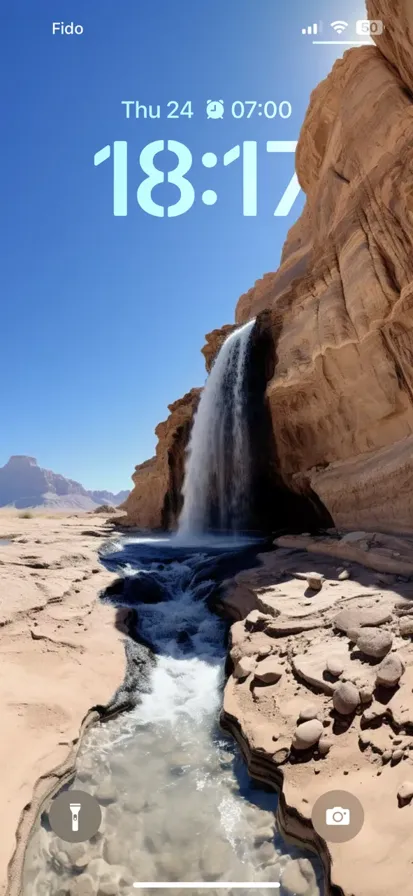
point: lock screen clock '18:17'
(179, 176)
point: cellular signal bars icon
(311, 29)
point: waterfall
(217, 474)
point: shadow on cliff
(275, 506)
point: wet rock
(105, 793)
(269, 671)
(406, 626)
(307, 734)
(346, 698)
(390, 671)
(84, 885)
(308, 712)
(374, 642)
(315, 581)
(244, 667)
(405, 792)
(298, 878)
(334, 666)
(108, 888)
(266, 853)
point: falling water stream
(177, 802)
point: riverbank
(324, 633)
(61, 653)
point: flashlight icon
(75, 809)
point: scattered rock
(346, 698)
(269, 671)
(315, 581)
(406, 626)
(390, 671)
(344, 575)
(307, 734)
(308, 712)
(397, 755)
(405, 792)
(374, 642)
(244, 667)
(353, 619)
(324, 745)
(334, 666)
(386, 756)
(366, 694)
(84, 885)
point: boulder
(405, 791)
(346, 698)
(307, 734)
(406, 626)
(334, 666)
(390, 671)
(374, 642)
(308, 712)
(268, 671)
(244, 667)
(315, 581)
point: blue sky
(103, 316)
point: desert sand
(61, 654)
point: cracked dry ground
(60, 651)
(321, 693)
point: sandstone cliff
(155, 501)
(334, 323)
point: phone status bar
(340, 32)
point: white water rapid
(176, 799)
(217, 474)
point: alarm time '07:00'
(246, 153)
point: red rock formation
(155, 501)
(340, 395)
(334, 325)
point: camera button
(337, 816)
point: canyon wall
(155, 500)
(334, 322)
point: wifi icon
(339, 26)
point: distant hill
(24, 484)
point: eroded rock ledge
(334, 656)
(62, 652)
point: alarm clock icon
(215, 108)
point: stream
(177, 802)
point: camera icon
(338, 816)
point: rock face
(155, 501)
(334, 323)
(339, 308)
(24, 484)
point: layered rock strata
(334, 322)
(155, 501)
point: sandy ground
(295, 649)
(61, 653)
